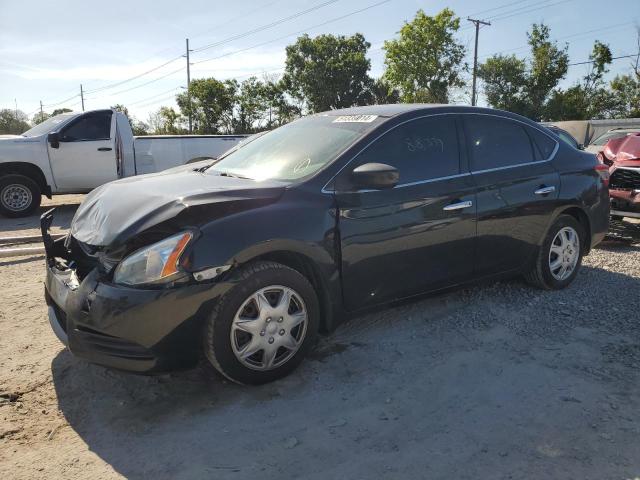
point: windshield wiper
(232, 175)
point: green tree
(165, 121)
(426, 61)
(626, 90)
(588, 98)
(13, 122)
(382, 92)
(58, 111)
(211, 105)
(525, 87)
(328, 71)
(138, 127)
(505, 83)
(251, 106)
(39, 118)
(279, 109)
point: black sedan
(246, 259)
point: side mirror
(376, 176)
(54, 140)
(580, 146)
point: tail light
(603, 171)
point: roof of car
(392, 110)
(389, 110)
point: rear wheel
(20, 196)
(560, 256)
(263, 327)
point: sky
(47, 49)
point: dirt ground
(494, 381)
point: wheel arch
(28, 170)
(304, 265)
(583, 219)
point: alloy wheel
(269, 328)
(564, 253)
(16, 197)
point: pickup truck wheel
(560, 256)
(264, 326)
(19, 196)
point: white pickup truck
(77, 152)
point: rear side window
(421, 149)
(94, 126)
(496, 142)
(544, 145)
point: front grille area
(113, 346)
(623, 179)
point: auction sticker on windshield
(355, 118)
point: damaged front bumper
(135, 329)
(624, 192)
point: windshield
(295, 150)
(605, 137)
(48, 125)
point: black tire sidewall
(222, 318)
(561, 222)
(31, 185)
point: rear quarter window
(543, 144)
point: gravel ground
(494, 381)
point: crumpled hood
(113, 213)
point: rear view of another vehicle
(622, 155)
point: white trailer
(77, 152)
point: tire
(20, 196)
(541, 274)
(223, 340)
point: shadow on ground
(483, 382)
(62, 219)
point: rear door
(86, 156)
(517, 189)
(418, 235)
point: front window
(296, 150)
(48, 125)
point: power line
(510, 4)
(61, 101)
(117, 84)
(233, 19)
(264, 27)
(593, 61)
(153, 96)
(573, 35)
(355, 12)
(505, 15)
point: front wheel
(264, 326)
(20, 196)
(560, 256)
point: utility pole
(41, 114)
(82, 97)
(477, 23)
(15, 101)
(188, 89)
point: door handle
(458, 206)
(104, 149)
(545, 190)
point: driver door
(86, 155)
(418, 235)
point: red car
(623, 157)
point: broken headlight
(157, 263)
